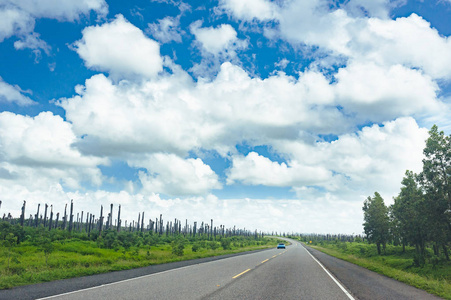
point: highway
(292, 273)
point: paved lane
(369, 285)
(293, 273)
(271, 274)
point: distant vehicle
(281, 246)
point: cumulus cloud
(378, 93)
(172, 175)
(217, 40)
(13, 94)
(119, 48)
(373, 159)
(254, 169)
(249, 10)
(166, 30)
(60, 10)
(17, 18)
(217, 45)
(154, 116)
(37, 151)
(14, 21)
(409, 41)
(375, 8)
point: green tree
(9, 242)
(408, 215)
(435, 180)
(376, 219)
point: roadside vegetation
(34, 254)
(409, 240)
(434, 276)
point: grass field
(434, 277)
(27, 263)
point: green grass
(434, 278)
(74, 258)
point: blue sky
(246, 112)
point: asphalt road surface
(293, 273)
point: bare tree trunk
(51, 217)
(45, 215)
(101, 219)
(119, 219)
(142, 223)
(71, 216)
(22, 215)
(65, 217)
(36, 217)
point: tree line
(421, 213)
(71, 223)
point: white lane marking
(330, 275)
(113, 283)
(121, 281)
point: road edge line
(330, 275)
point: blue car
(281, 246)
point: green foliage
(225, 244)
(376, 223)
(178, 248)
(30, 255)
(434, 277)
(195, 247)
(421, 213)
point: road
(292, 273)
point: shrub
(195, 247)
(225, 244)
(213, 245)
(178, 248)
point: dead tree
(22, 215)
(142, 223)
(71, 216)
(51, 217)
(111, 216)
(65, 217)
(101, 219)
(57, 219)
(119, 219)
(36, 217)
(45, 214)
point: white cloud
(38, 152)
(17, 18)
(409, 41)
(14, 21)
(373, 159)
(255, 169)
(371, 37)
(119, 48)
(70, 10)
(220, 40)
(378, 93)
(375, 8)
(154, 116)
(172, 175)
(32, 41)
(250, 9)
(9, 93)
(166, 30)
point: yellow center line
(241, 273)
(265, 261)
(274, 256)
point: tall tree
(435, 179)
(408, 214)
(376, 223)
